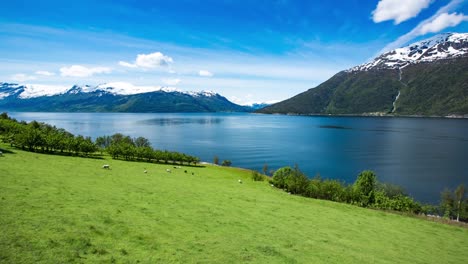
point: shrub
(365, 187)
(226, 163)
(297, 182)
(257, 176)
(280, 176)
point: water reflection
(181, 121)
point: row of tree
(36, 136)
(366, 191)
(120, 146)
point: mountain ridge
(104, 98)
(426, 78)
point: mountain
(428, 78)
(111, 98)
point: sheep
(145, 171)
(168, 170)
(240, 181)
(106, 166)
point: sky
(248, 51)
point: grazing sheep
(168, 170)
(240, 181)
(106, 166)
(145, 171)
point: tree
(265, 169)
(364, 187)
(280, 176)
(226, 163)
(142, 142)
(297, 181)
(446, 203)
(216, 160)
(459, 195)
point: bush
(226, 163)
(365, 187)
(257, 176)
(297, 182)
(280, 176)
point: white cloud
(151, 60)
(430, 25)
(171, 81)
(81, 71)
(21, 77)
(45, 73)
(205, 73)
(398, 10)
(126, 64)
(441, 22)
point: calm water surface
(424, 155)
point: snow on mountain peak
(37, 90)
(116, 88)
(442, 46)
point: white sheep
(240, 181)
(168, 170)
(106, 166)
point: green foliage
(35, 136)
(365, 192)
(454, 204)
(437, 88)
(226, 163)
(364, 187)
(257, 176)
(280, 177)
(265, 169)
(296, 181)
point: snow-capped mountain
(111, 97)
(116, 88)
(427, 78)
(442, 46)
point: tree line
(367, 191)
(42, 137)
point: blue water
(424, 155)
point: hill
(56, 209)
(111, 99)
(425, 78)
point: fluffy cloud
(436, 23)
(151, 60)
(442, 22)
(398, 10)
(171, 81)
(126, 64)
(45, 73)
(21, 77)
(205, 73)
(81, 71)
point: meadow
(57, 209)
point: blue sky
(248, 51)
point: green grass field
(56, 209)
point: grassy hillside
(56, 209)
